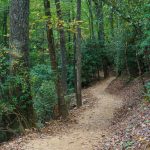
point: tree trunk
(99, 10)
(19, 45)
(5, 27)
(62, 46)
(78, 56)
(74, 52)
(62, 107)
(126, 60)
(91, 19)
(99, 7)
(111, 22)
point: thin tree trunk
(99, 10)
(111, 22)
(62, 107)
(69, 33)
(5, 27)
(74, 52)
(78, 56)
(62, 47)
(91, 19)
(126, 60)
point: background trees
(60, 87)
(110, 35)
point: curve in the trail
(92, 124)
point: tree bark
(101, 37)
(19, 45)
(5, 27)
(62, 46)
(111, 17)
(126, 60)
(99, 8)
(78, 56)
(91, 19)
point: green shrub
(44, 93)
(91, 60)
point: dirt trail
(92, 124)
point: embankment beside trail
(131, 125)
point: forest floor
(86, 128)
(113, 117)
